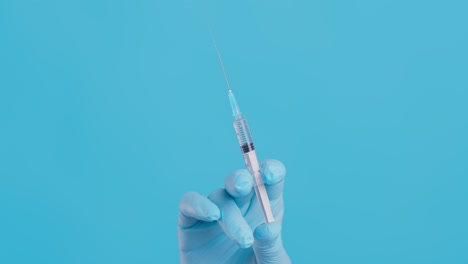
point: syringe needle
(234, 107)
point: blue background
(111, 110)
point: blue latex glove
(218, 229)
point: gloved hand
(218, 229)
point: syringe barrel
(253, 166)
(243, 135)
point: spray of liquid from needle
(214, 43)
(245, 140)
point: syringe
(250, 158)
(245, 140)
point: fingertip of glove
(246, 241)
(213, 213)
(267, 231)
(273, 171)
(239, 183)
(244, 187)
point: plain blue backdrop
(110, 110)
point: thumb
(268, 246)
